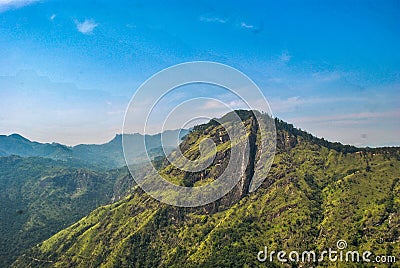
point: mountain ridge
(313, 196)
(104, 156)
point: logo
(329, 255)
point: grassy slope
(312, 197)
(40, 197)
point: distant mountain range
(46, 187)
(315, 194)
(103, 156)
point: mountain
(15, 144)
(103, 156)
(41, 196)
(315, 194)
(46, 187)
(111, 154)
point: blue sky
(69, 68)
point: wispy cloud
(87, 26)
(285, 57)
(246, 26)
(254, 28)
(214, 104)
(206, 18)
(360, 128)
(350, 118)
(231, 21)
(327, 76)
(52, 17)
(293, 103)
(129, 25)
(13, 4)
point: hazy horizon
(72, 145)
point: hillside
(316, 193)
(40, 196)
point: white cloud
(361, 129)
(87, 26)
(326, 76)
(52, 17)
(130, 25)
(295, 102)
(247, 26)
(212, 19)
(213, 104)
(10, 4)
(350, 118)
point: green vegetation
(40, 196)
(316, 193)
